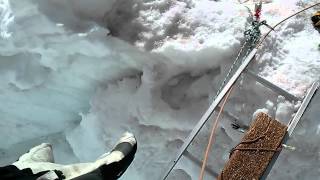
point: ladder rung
(273, 87)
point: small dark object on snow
(239, 127)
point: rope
(250, 141)
(265, 36)
(259, 137)
(252, 149)
(243, 1)
(211, 139)
(214, 128)
(256, 149)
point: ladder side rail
(292, 125)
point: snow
(6, 18)
(66, 82)
(295, 56)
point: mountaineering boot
(115, 162)
(37, 164)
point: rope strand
(211, 139)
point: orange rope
(243, 1)
(211, 139)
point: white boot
(40, 153)
(40, 158)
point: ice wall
(63, 77)
(49, 72)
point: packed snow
(78, 74)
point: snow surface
(66, 82)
